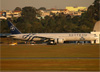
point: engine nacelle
(59, 40)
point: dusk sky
(59, 4)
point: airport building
(96, 31)
(76, 9)
(9, 14)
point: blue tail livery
(13, 29)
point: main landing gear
(51, 43)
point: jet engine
(59, 40)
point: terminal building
(96, 31)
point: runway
(50, 58)
(49, 71)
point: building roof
(97, 27)
(76, 8)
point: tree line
(28, 23)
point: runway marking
(49, 71)
(50, 58)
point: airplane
(50, 38)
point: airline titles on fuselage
(81, 35)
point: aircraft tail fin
(13, 29)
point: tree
(97, 9)
(42, 8)
(4, 27)
(94, 10)
(87, 20)
(17, 9)
(29, 14)
(37, 27)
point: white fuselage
(64, 36)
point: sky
(59, 4)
